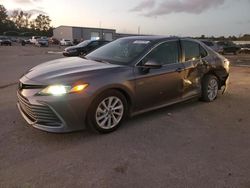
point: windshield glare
(121, 51)
(84, 43)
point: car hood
(66, 70)
(71, 48)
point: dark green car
(229, 47)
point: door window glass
(191, 50)
(166, 53)
(94, 44)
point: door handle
(178, 70)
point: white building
(83, 33)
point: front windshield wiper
(101, 61)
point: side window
(103, 42)
(94, 44)
(191, 50)
(166, 53)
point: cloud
(35, 11)
(243, 22)
(176, 6)
(147, 4)
(26, 1)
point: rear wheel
(210, 88)
(108, 111)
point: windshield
(84, 43)
(121, 51)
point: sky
(157, 17)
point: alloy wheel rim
(212, 89)
(109, 112)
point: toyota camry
(124, 78)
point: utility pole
(139, 30)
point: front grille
(37, 113)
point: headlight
(226, 63)
(58, 90)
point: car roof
(158, 38)
(205, 40)
(152, 37)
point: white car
(33, 40)
(66, 42)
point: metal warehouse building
(83, 33)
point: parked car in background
(213, 45)
(229, 47)
(13, 39)
(5, 41)
(126, 77)
(27, 41)
(84, 47)
(54, 41)
(66, 42)
(34, 39)
(43, 41)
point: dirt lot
(193, 144)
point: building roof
(84, 27)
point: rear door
(195, 63)
(157, 87)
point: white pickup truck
(33, 40)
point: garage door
(108, 36)
(95, 35)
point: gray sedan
(123, 78)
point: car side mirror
(151, 64)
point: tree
(5, 23)
(42, 22)
(3, 14)
(21, 19)
(203, 36)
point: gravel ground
(239, 60)
(193, 144)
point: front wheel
(108, 111)
(210, 88)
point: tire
(107, 112)
(210, 88)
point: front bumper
(53, 114)
(225, 87)
(70, 54)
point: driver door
(155, 87)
